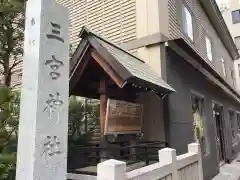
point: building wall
(180, 111)
(120, 21)
(112, 19)
(201, 27)
(147, 21)
(153, 123)
(232, 5)
(227, 9)
(126, 20)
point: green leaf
(7, 159)
(9, 113)
(4, 95)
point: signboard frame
(106, 132)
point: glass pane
(231, 118)
(237, 42)
(236, 17)
(233, 77)
(239, 70)
(209, 48)
(187, 23)
(238, 120)
(223, 67)
(184, 21)
(198, 122)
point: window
(239, 70)
(238, 122)
(208, 48)
(233, 78)
(236, 16)
(198, 121)
(231, 119)
(187, 22)
(223, 67)
(237, 42)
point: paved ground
(229, 171)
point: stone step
(94, 138)
(95, 126)
(96, 134)
(94, 142)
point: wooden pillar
(103, 105)
(85, 115)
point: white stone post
(168, 156)
(195, 148)
(111, 170)
(43, 128)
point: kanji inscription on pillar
(54, 65)
(42, 143)
(53, 105)
(51, 146)
(55, 33)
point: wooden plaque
(123, 117)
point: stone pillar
(111, 170)
(43, 128)
(149, 21)
(168, 156)
(195, 148)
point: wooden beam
(103, 106)
(120, 94)
(79, 54)
(77, 73)
(107, 68)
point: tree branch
(13, 87)
(15, 63)
(9, 135)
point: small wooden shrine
(102, 70)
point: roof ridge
(86, 31)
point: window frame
(238, 66)
(207, 39)
(238, 121)
(233, 77)
(232, 125)
(235, 40)
(204, 120)
(185, 24)
(234, 20)
(223, 67)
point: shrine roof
(128, 68)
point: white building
(231, 13)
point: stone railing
(170, 167)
